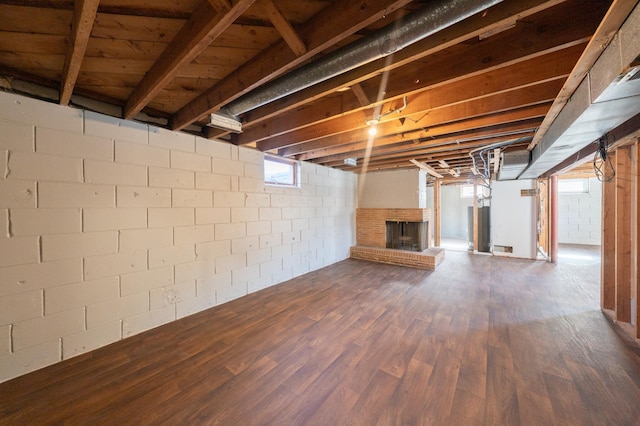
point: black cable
(602, 164)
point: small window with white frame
(281, 171)
(466, 191)
(573, 186)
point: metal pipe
(414, 27)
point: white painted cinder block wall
(109, 228)
(580, 216)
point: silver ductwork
(436, 16)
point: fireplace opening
(411, 236)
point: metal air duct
(436, 16)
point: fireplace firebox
(411, 236)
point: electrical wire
(485, 170)
(602, 164)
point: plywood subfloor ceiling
(487, 79)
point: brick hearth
(371, 238)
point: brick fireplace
(372, 239)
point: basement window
(281, 171)
(466, 191)
(573, 186)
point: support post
(553, 219)
(623, 234)
(475, 215)
(608, 244)
(436, 213)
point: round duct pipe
(436, 16)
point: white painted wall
(580, 216)
(513, 218)
(454, 221)
(393, 189)
(109, 228)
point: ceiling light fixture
(373, 126)
(372, 123)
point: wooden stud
(623, 234)
(543, 201)
(84, 15)
(608, 279)
(285, 29)
(635, 235)
(553, 219)
(437, 211)
(204, 26)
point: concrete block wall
(109, 228)
(580, 216)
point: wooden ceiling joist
(287, 32)
(324, 31)
(557, 47)
(555, 65)
(423, 150)
(349, 141)
(494, 103)
(84, 16)
(205, 25)
(387, 146)
(487, 78)
(494, 17)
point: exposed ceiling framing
(498, 76)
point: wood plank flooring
(480, 341)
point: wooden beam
(623, 234)
(408, 142)
(437, 211)
(438, 154)
(422, 118)
(287, 32)
(204, 26)
(420, 151)
(322, 31)
(495, 16)
(84, 16)
(427, 169)
(445, 84)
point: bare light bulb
(373, 130)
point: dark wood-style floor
(481, 340)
